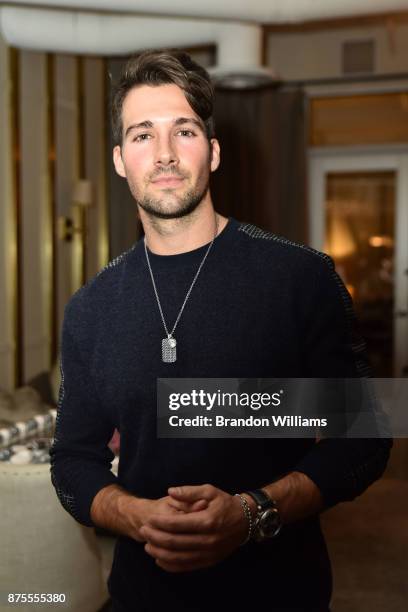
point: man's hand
(182, 541)
(115, 509)
(165, 506)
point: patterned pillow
(20, 431)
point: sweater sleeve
(80, 457)
(342, 468)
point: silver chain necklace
(169, 344)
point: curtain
(262, 175)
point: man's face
(165, 154)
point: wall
(52, 111)
(318, 54)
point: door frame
(374, 158)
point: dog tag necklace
(169, 344)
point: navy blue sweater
(262, 307)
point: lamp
(81, 199)
(340, 240)
(82, 192)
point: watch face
(269, 523)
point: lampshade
(82, 192)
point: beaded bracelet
(248, 514)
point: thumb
(183, 506)
(189, 494)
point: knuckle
(211, 541)
(208, 524)
(169, 524)
(168, 541)
(163, 556)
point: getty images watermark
(198, 398)
(290, 407)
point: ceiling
(120, 27)
(258, 11)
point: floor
(368, 545)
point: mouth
(169, 181)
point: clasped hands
(193, 527)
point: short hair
(162, 67)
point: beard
(163, 208)
(169, 205)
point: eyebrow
(147, 124)
(196, 122)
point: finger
(181, 561)
(173, 568)
(193, 522)
(201, 504)
(170, 541)
(182, 506)
(184, 567)
(169, 556)
(191, 494)
(177, 568)
(178, 505)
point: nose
(166, 154)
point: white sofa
(43, 550)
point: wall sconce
(340, 241)
(381, 240)
(81, 200)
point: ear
(117, 160)
(215, 154)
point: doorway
(358, 206)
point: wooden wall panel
(359, 120)
(95, 141)
(10, 362)
(36, 223)
(66, 173)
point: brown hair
(160, 67)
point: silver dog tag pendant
(169, 350)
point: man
(201, 296)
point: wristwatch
(267, 522)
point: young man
(201, 296)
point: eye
(188, 133)
(141, 137)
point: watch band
(266, 522)
(261, 499)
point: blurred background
(312, 117)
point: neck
(174, 236)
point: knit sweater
(262, 306)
